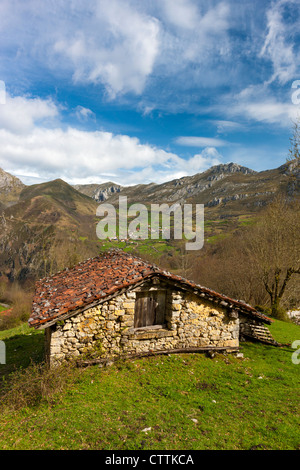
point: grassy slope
(48, 216)
(239, 403)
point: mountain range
(46, 227)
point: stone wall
(106, 330)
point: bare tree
(294, 150)
(258, 263)
(273, 246)
(227, 267)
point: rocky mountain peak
(99, 192)
(9, 182)
(291, 168)
(231, 168)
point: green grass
(238, 403)
(20, 330)
(154, 248)
(217, 238)
(286, 331)
(23, 345)
(246, 222)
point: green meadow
(170, 402)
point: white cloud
(29, 146)
(113, 43)
(83, 113)
(194, 141)
(176, 168)
(190, 36)
(19, 114)
(227, 126)
(271, 111)
(202, 161)
(181, 13)
(258, 104)
(81, 156)
(278, 46)
(117, 47)
(119, 44)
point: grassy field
(179, 402)
(148, 246)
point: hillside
(232, 195)
(45, 227)
(226, 189)
(70, 203)
(50, 223)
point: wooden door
(145, 312)
(149, 309)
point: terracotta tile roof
(96, 278)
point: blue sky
(136, 91)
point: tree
(274, 248)
(226, 267)
(258, 263)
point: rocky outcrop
(235, 197)
(99, 192)
(10, 188)
(226, 168)
(230, 184)
(9, 182)
(103, 194)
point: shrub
(20, 301)
(37, 383)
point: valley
(49, 226)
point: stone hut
(116, 305)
